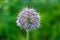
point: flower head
(28, 19)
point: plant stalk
(27, 34)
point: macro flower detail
(28, 19)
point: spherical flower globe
(28, 19)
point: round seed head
(28, 19)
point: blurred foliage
(50, 19)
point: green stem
(27, 35)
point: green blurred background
(50, 19)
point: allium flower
(28, 19)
